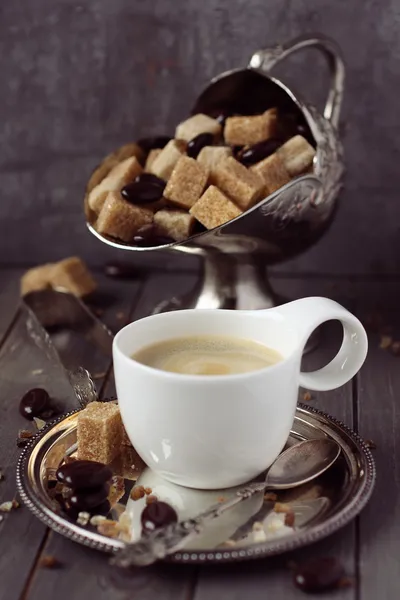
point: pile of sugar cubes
(161, 190)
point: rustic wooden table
(368, 547)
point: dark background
(79, 78)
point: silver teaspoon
(299, 464)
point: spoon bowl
(301, 463)
(297, 465)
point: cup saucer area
(336, 497)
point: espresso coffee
(207, 355)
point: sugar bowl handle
(268, 58)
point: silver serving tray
(321, 507)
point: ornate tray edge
(349, 512)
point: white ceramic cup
(219, 431)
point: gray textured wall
(79, 78)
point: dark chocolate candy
(198, 143)
(33, 403)
(157, 514)
(84, 474)
(319, 574)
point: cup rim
(184, 377)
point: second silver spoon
(299, 464)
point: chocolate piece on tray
(99, 432)
(241, 185)
(120, 219)
(194, 126)
(123, 173)
(246, 131)
(177, 224)
(83, 474)
(157, 514)
(72, 274)
(89, 498)
(164, 163)
(186, 184)
(273, 172)
(214, 208)
(297, 155)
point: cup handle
(307, 314)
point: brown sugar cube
(123, 173)
(151, 158)
(246, 131)
(297, 155)
(187, 182)
(210, 156)
(101, 172)
(214, 208)
(164, 163)
(273, 172)
(237, 182)
(120, 219)
(177, 224)
(72, 275)
(111, 161)
(189, 129)
(36, 279)
(99, 432)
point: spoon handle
(167, 540)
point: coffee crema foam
(207, 355)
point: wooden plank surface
(379, 420)
(368, 547)
(21, 534)
(87, 572)
(9, 295)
